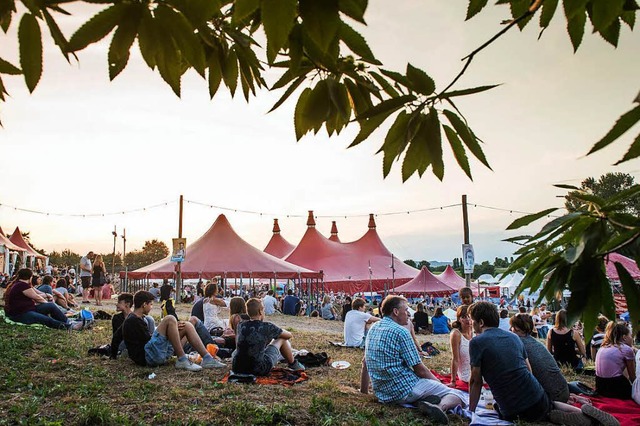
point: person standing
(85, 275)
(98, 279)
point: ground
(47, 377)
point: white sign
(468, 258)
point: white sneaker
(212, 363)
(187, 365)
(76, 325)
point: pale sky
(83, 145)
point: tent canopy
(452, 279)
(426, 283)
(278, 246)
(629, 264)
(4, 241)
(16, 238)
(222, 252)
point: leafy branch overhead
(322, 57)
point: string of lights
(88, 215)
(506, 210)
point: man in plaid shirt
(393, 364)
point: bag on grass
(101, 350)
(581, 388)
(87, 318)
(313, 360)
(429, 349)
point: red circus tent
(629, 264)
(278, 246)
(452, 279)
(222, 252)
(358, 266)
(334, 232)
(425, 283)
(4, 241)
(16, 238)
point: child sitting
(259, 344)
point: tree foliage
(569, 252)
(152, 251)
(65, 257)
(320, 55)
(606, 186)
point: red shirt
(16, 303)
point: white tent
(487, 278)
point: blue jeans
(204, 335)
(46, 314)
(543, 331)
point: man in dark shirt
(259, 344)
(290, 304)
(155, 349)
(499, 357)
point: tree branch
(532, 10)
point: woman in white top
(459, 340)
(211, 307)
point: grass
(47, 378)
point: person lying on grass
(155, 349)
(259, 344)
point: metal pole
(393, 272)
(465, 224)
(124, 254)
(370, 284)
(179, 271)
(113, 260)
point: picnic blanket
(278, 376)
(626, 411)
(8, 321)
(446, 379)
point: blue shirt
(390, 355)
(289, 305)
(440, 324)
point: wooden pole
(465, 224)
(179, 271)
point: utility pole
(179, 269)
(465, 224)
(370, 283)
(124, 256)
(393, 272)
(113, 259)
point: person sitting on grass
(26, 305)
(392, 363)
(62, 288)
(613, 358)
(499, 357)
(259, 344)
(211, 307)
(327, 311)
(440, 322)
(459, 341)
(155, 349)
(543, 367)
(356, 324)
(124, 306)
(421, 319)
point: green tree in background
(606, 186)
(152, 251)
(65, 257)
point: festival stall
(9, 253)
(426, 283)
(32, 258)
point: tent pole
(179, 277)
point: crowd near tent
(221, 252)
(15, 253)
(9, 253)
(362, 265)
(426, 283)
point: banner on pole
(468, 258)
(179, 252)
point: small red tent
(16, 238)
(452, 279)
(221, 252)
(426, 283)
(4, 241)
(629, 264)
(278, 246)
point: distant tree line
(457, 265)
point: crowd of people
(518, 355)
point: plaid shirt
(391, 354)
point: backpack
(87, 318)
(313, 360)
(429, 349)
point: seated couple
(154, 348)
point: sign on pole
(468, 258)
(179, 252)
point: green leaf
(215, 73)
(360, 98)
(395, 142)
(58, 38)
(354, 9)
(420, 81)
(468, 138)
(388, 88)
(623, 195)
(292, 87)
(620, 241)
(629, 18)
(230, 71)
(316, 110)
(465, 92)
(574, 7)
(570, 187)
(169, 61)
(148, 38)
(30, 40)
(8, 68)
(198, 12)
(301, 127)
(320, 21)
(576, 20)
(548, 10)
(295, 47)
(96, 28)
(242, 9)
(122, 41)
(475, 6)
(340, 99)
(631, 5)
(388, 105)
(434, 143)
(357, 43)
(418, 156)
(367, 127)
(605, 12)
(624, 123)
(458, 150)
(612, 33)
(33, 7)
(520, 8)
(178, 27)
(632, 294)
(633, 152)
(526, 220)
(397, 77)
(278, 18)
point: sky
(82, 145)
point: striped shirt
(390, 355)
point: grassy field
(47, 378)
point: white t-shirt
(354, 324)
(270, 305)
(211, 312)
(85, 262)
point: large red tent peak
(452, 279)
(276, 227)
(278, 246)
(16, 238)
(334, 232)
(4, 241)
